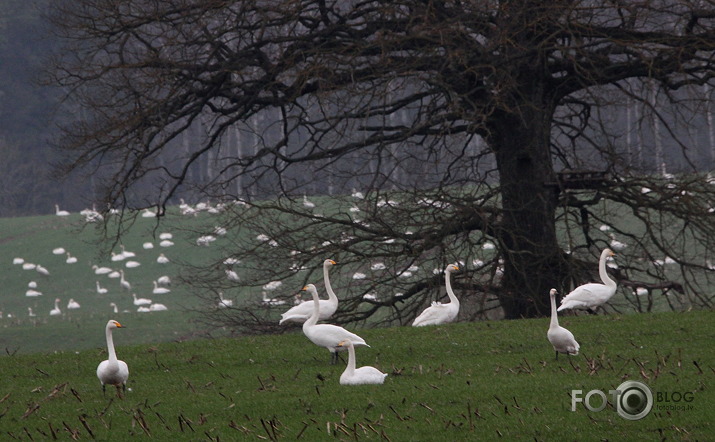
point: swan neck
(350, 369)
(554, 315)
(603, 273)
(316, 310)
(450, 292)
(328, 287)
(110, 346)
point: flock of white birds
(335, 338)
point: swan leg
(557, 355)
(333, 358)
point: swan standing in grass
(327, 335)
(592, 295)
(101, 270)
(301, 312)
(562, 339)
(56, 311)
(157, 308)
(72, 305)
(362, 375)
(101, 290)
(140, 301)
(123, 282)
(59, 212)
(112, 371)
(439, 313)
(159, 290)
(224, 303)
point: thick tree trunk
(533, 261)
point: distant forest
(30, 112)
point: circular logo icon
(635, 400)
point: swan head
(553, 292)
(608, 252)
(329, 263)
(310, 288)
(452, 268)
(114, 324)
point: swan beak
(333, 262)
(305, 288)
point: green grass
(463, 381)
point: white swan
(56, 311)
(112, 371)
(132, 264)
(30, 313)
(123, 282)
(164, 280)
(301, 312)
(327, 335)
(592, 295)
(70, 259)
(143, 309)
(33, 292)
(362, 375)
(562, 339)
(42, 270)
(32, 284)
(159, 290)
(140, 301)
(72, 305)
(224, 303)
(101, 290)
(161, 259)
(115, 309)
(157, 308)
(59, 212)
(101, 270)
(439, 313)
(58, 251)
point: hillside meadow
(463, 381)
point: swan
(164, 280)
(166, 243)
(72, 304)
(592, 295)
(132, 264)
(140, 301)
(123, 282)
(439, 313)
(112, 371)
(301, 312)
(161, 259)
(115, 309)
(159, 290)
(18, 261)
(29, 266)
(125, 253)
(30, 313)
(327, 335)
(362, 375)
(224, 303)
(56, 311)
(114, 274)
(101, 290)
(148, 213)
(143, 309)
(157, 308)
(42, 270)
(232, 276)
(32, 284)
(70, 259)
(166, 235)
(117, 257)
(58, 251)
(307, 203)
(562, 339)
(147, 245)
(33, 292)
(101, 270)
(271, 301)
(59, 212)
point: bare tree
(465, 124)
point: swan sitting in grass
(112, 371)
(362, 375)
(327, 335)
(439, 313)
(302, 311)
(562, 339)
(592, 295)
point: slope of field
(464, 381)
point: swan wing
(563, 340)
(329, 336)
(587, 296)
(298, 313)
(436, 314)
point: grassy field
(464, 381)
